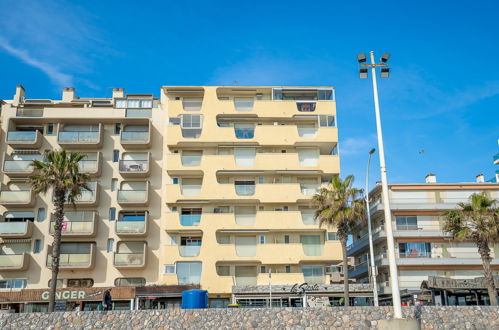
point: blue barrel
(194, 299)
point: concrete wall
(476, 317)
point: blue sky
(442, 96)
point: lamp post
(371, 249)
(384, 73)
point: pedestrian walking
(107, 301)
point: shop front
(299, 295)
(67, 299)
(160, 296)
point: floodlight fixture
(385, 57)
(363, 73)
(385, 72)
(361, 58)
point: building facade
(422, 249)
(205, 186)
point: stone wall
(475, 317)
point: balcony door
(245, 157)
(246, 246)
(245, 275)
(245, 215)
(311, 245)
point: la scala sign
(303, 288)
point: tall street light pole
(384, 71)
(371, 248)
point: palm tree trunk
(345, 272)
(484, 250)
(56, 245)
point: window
(188, 272)
(112, 213)
(130, 281)
(41, 214)
(407, 222)
(175, 180)
(263, 269)
(37, 247)
(287, 269)
(133, 103)
(114, 183)
(13, 284)
(116, 156)
(50, 129)
(173, 209)
(117, 129)
(221, 209)
(331, 236)
(285, 208)
(313, 274)
(327, 121)
(110, 245)
(224, 239)
(261, 180)
(415, 250)
(223, 270)
(169, 269)
(174, 121)
(80, 283)
(244, 131)
(261, 239)
(191, 121)
(325, 94)
(286, 239)
(172, 240)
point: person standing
(107, 301)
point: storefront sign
(66, 294)
(303, 288)
(60, 305)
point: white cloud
(55, 37)
(357, 145)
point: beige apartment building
(207, 187)
(423, 251)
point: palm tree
(477, 221)
(60, 172)
(340, 205)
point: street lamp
(394, 283)
(371, 249)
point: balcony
(244, 189)
(136, 139)
(14, 262)
(280, 278)
(24, 139)
(309, 189)
(17, 198)
(88, 197)
(138, 196)
(71, 261)
(81, 139)
(190, 219)
(77, 224)
(18, 229)
(133, 258)
(189, 251)
(132, 228)
(135, 168)
(91, 165)
(265, 135)
(20, 167)
(29, 112)
(178, 164)
(270, 193)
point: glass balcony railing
(130, 196)
(309, 189)
(415, 254)
(244, 133)
(74, 227)
(191, 160)
(88, 165)
(11, 260)
(189, 251)
(86, 197)
(407, 227)
(71, 259)
(10, 228)
(128, 259)
(315, 279)
(79, 137)
(132, 227)
(313, 249)
(28, 112)
(134, 136)
(23, 166)
(190, 219)
(21, 136)
(245, 189)
(134, 166)
(18, 196)
(138, 113)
